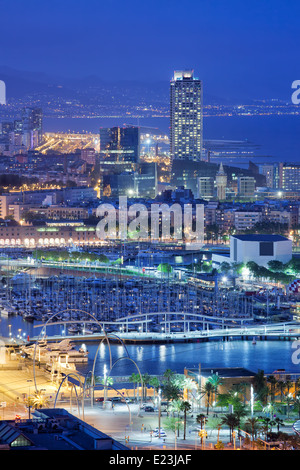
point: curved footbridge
(173, 326)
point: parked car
(115, 399)
(149, 409)
(162, 433)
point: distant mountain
(90, 89)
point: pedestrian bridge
(171, 326)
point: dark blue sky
(239, 48)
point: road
(124, 422)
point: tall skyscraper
(186, 134)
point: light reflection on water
(156, 358)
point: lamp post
(159, 410)
(203, 435)
(29, 405)
(176, 422)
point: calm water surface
(156, 358)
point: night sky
(238, 47)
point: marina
(110, 298)
(63, 319)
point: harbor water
(155, 359)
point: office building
(186, 133)
(269, 171)
(32, 127)
(88, 155)
(246, 186)
(205, 186)
(141, 183)
(119, 145)
(145, 180)
(246, 219)
(290, 176)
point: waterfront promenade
(126, 422)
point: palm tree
(281, 386)
(40, 400)
(135, 379)
(297, 386)
(29, 403)
(272, 381)
(288, 384)
(260, 386)
(232, 421)
(252, 426)
(189, 384)
(146, 380)
(154, 382)
(268, 423)
(185, 407)
(216, 382)
(202, 420)
(171, 391)
(240, 389)
(296, 405)
(207, 390)
(279, 422)
(169, 374)
(175, 407)
(288, 399)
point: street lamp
(176, 433)
(29, 405)
(159, 410)
(203, 435)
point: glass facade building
(32, 121)
(120, 144)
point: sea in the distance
(276, 136)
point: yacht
(63, 352)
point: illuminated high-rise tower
(186, 133)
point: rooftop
(224, 372)
(260, 238)
(54, 429)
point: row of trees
(276, 271)
(71, 256)
(274, 401)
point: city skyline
(149, 227)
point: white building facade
(260, 248)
